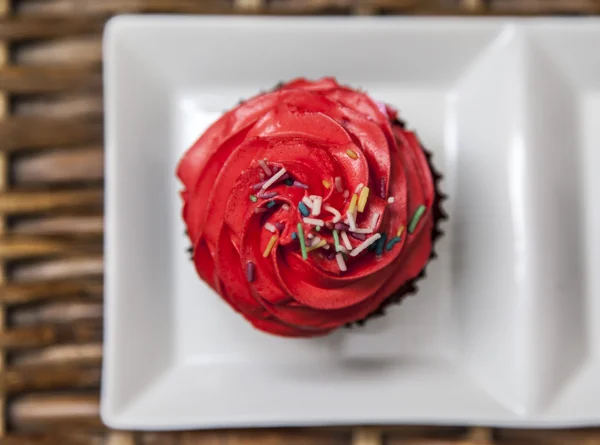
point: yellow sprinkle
(400, 230)
(317, 246)
(326, 183)
(352, 154)
(353, 203)
(362, 201)
(272, 242)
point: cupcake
(309, 207)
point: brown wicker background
(51, 170)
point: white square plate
(506, 328)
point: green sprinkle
(415, 219)
(294, 235)
(380, 244)
(302, 241)
(253, 198)
(270, 204)
(392, 243)
(303, 209)
(289, 182)
(336, 240)
(318, 228)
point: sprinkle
(358, 188)
(270, 227)
(273, 179)
(302, 241)
(362, 230)
(343, 250)
(362, 201)
(272, 242)
(415, 219)
(346, 193)
(320, 244)
(341, 263)
(391, 243)
(329, 225)
(316, 210)
(280, 226)
(294, 235)
(265, 167)
(271, 204)
(352, 154)
(326, 247)
(314, 241)
(318, 228)
(253, 198)
(346, 241)
(338, 184)
(261, 175)
(306, 200)
(260, 210)
(285, 206)
(303, 209)
(300, 185)
(289, 181)
(391, 200)
(400, 230)
(313, 197)
(326, 183)
(258, 185)
(336, 240)
(341, 226)
(382, 188)
(351, 220)
(380, 245)
(314, 221)
(267, 195)
(336, 214)
(310, 236)
(362, 246)
(358, 236)
(353, 203)
(250, 272)
(374, 219)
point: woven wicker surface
(51, 170)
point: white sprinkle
(346, 240)
(306, 200)
(310, 236)
(313, 197)
(338, 184)
(336, 214)
(359, 187)
(285, 206)
(363, 230)
(265, 167)
(374, 219)
(314, 221)
(341, 263)
(362, 246)
(316, 210)
(274, 179)
(391, 200)
(270, 227)
(316, 240)
(346, 193)
(342, 249)
(326, 247)
(351, 220)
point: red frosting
(307, 128)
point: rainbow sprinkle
(320, 244)
(391, 243)
(289, 181)
(250, 272)
(352, 154)
(294, 235)
(353, 202)
(380, 245)
(340, 261)
(303, 209)
(391, 200)
(273, 179)
(326, 183)
(270, 246)
(382, 188)
(400, 230)
(336, 240)
(253, 198)
(362, 201)
(302, 241)
(338, 184)
(362, 246)
(270, 227)
(265, 167)
(415, 219)
(270, 204)
(300, 185)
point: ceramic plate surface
(505, 329)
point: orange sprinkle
(352, 154)
(326, 183)
(353, 203)
(400, 230)
(272, 242)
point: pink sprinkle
(382, 188)
(358, 236)
(250, 272)
(261, 175)
(265, 167)
(346, 193)
(285, 206)
(341, 226)
(280, 226)
(299, 184)
(260, 210)
(338, 184)
(267, 195)
(258, 185)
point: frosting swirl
(308, 206)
